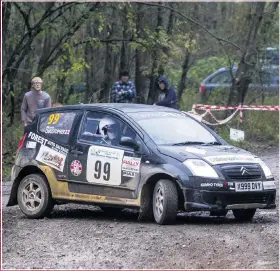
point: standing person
(123, 91)
(168, 96)
(33, 100)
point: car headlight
(265, 168)
(200, 168)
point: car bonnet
(211, 154)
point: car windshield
(168, 128)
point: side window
(100, 128)
(57, 125)
(222, 78)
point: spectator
(33, 100)
(168, 97)
(123, 91)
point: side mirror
(129, 142)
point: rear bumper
(216, 200)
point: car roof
(122, 107)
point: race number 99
(104, 165)
(99, 170)
(53, 118)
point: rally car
(158, 160)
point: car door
(99, 165)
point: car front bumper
(228, 200)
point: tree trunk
(185, 68)
(92, 55)
(141, 81)
(248, 60)
(124, 49)
(60, 86)
(153, 90)
(108, 66)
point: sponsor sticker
(128, 173)
(131, 164)
(48, 143)
(37, 138)
(51, 158)
(53, 130)
(104, 152)
(224, 159)
(76, 167)
(152, 115)
(31, 145)
(211, 185)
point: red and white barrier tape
(209, 108)
(244, 107)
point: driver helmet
(109, 128)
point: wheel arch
(146, 192)
(30, 169)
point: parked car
(267, 80)
(156, 159)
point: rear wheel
(244, 214)
(165, 202)
(34, 196)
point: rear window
(57, 125)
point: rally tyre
(165, 202)
(244, 215)
(34, 196)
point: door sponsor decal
(131, 164)
(50, 153)
(51, 158)
(48, 143)
(76, 167)
(128, 174)
(224, 159)
(104, 165)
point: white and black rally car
(156, 159)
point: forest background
(79, 48)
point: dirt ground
(84, 237)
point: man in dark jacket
(168, 94)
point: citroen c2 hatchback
(158, 160)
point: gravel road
(84, 237)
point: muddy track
(82, 236)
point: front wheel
(244, 214)
(165, 202)
(34, 196)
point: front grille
(246, 198)
(240, 172)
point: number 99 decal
(53, 118)
(104, 165)
(105, 170)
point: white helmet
(109, 127)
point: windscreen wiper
(188, 143)
(211, 143)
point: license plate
(248, 186)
